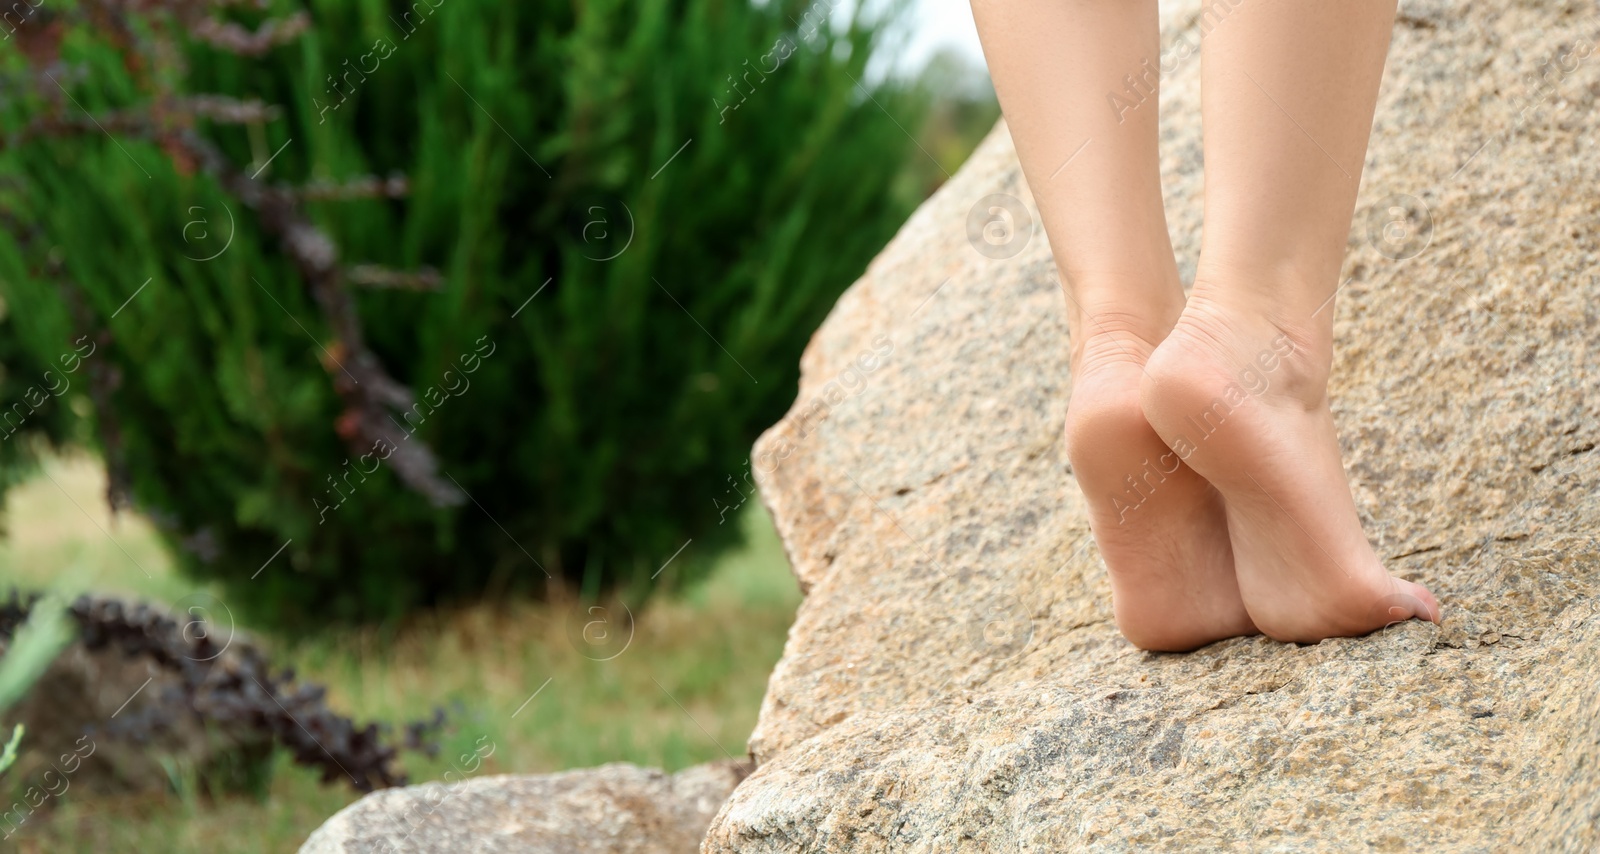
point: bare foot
(1160, 527)
(1242, 397)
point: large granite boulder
(614, 809)
(954, 680)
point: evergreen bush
(378, 305)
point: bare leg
(1077, 81)
(1240, 386)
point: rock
(954, 681)
(614, 809)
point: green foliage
(636, 229)
(29, 652)
(9, 756)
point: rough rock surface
(953, 680)
(614, 809)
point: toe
(1408, 601)
(1428, 606)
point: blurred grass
(709, 650)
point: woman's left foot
(1160, 526)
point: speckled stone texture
(954, 681)
(613, 809)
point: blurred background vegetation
(402, 331)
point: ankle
(1225, 352)
(1294, 296)
(1113, 337)
(1119, 318)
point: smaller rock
(615, 809)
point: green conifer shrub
(391, 304)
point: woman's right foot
(1241, 395)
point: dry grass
(686, 689)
